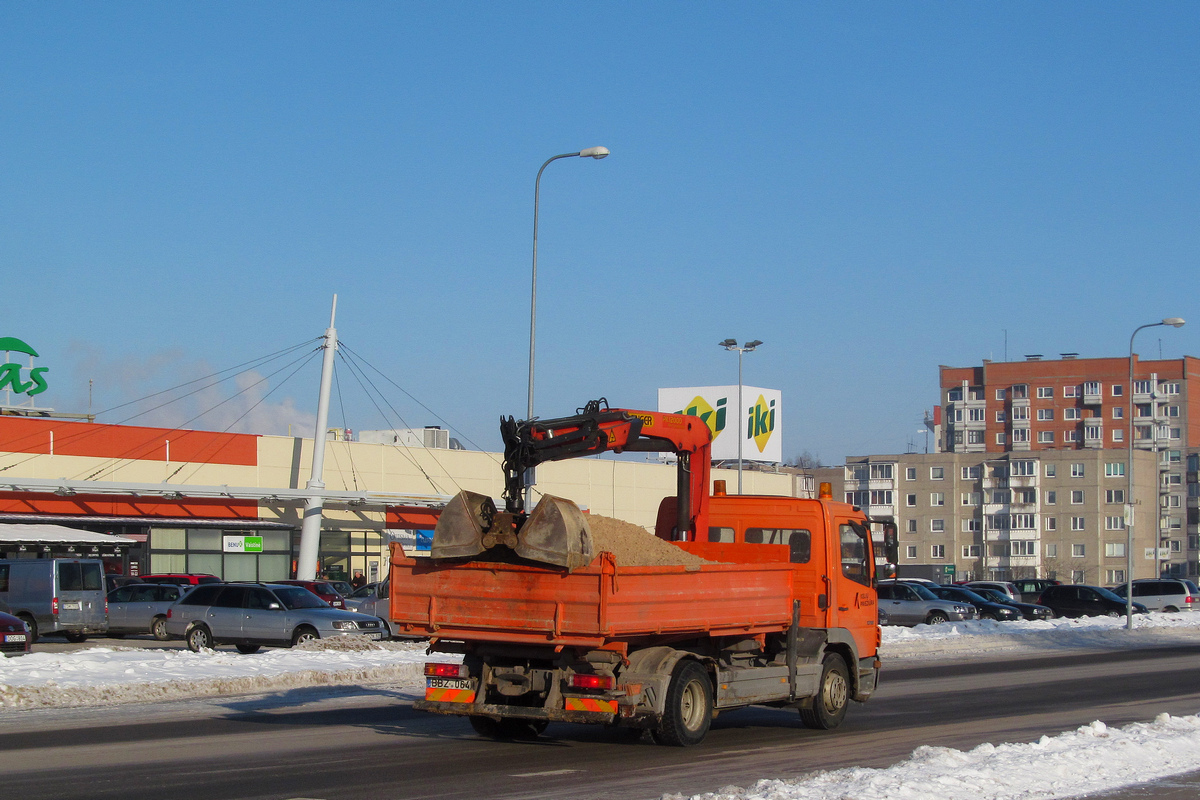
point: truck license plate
(449, 683)
(71, 606)
(14, 637)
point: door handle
(843, 608)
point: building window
(1070, 391)
(970, 473)
(1045, 414)
(974, 437)
(910, 551)
(1077, 470)
(975, 414)
(1118, 412)
(1022, 522)
(1044, 392)
(1025, 496)
(1114, 524)
(1176, 433)
(1076, 497)
(1051, 497)
(1172, 479)
(1093, 432)
(1070, 436)
(910, 474)
(1142, 410)
(937, 525)
(1114, 495)
(1020, 413)
(1051, 470)
(1175, 546)
(1114, 469)
(1000, 438)
(1019, 392)
(1000, 416)
(937, 551)
(1051, 551)
(1077, 523)
(881, 497)
(858, 472)
(1078, 576)
(1051, 524)
(1172, 457)
(1001, 394)
(971, 498)
(1001, 497)
(970, 551)
(881, 471)
(1114, 576)
(1169, 388)
(954, 396)
(937, 498)
(1021, 435)
(1141, 387)
(1118, 436)
(1171, 501)
(1023, 547)
(1071, 413)
(1045, 437)
(1022, 469)
(1077, 551)
(937, 473)
(910, 500)
(1091, 387)
(912, 526)
(970, 525)
(1114, 549)
(1118, 390)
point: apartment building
(1057, 514)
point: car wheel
(1111, 613)
(75, 638)
(32, 625)
(829, 707)
(989, 615)
(387, 630)
(1171, 609)
(936, 618)
(304, 634)
(248, 649)
(199, 638)
(159, 629)
(689, 706)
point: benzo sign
(12, 375)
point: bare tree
(805, 460)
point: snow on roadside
(1091, 759)
(114, 675)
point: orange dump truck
(551, 631)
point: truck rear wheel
(829, 706)
(689, 707)
(508, 728)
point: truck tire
(520, 729)
(829, 706)
(689, 706)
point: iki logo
(713, 418)
(760, 422)
(10, 373)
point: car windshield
(1108, 594)
(294, 597)
(991, 594)
(1192, 588)
(969, 595)
(922, 592)
(363, 591)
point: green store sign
(11, 376)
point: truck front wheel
(688, 713)
(829, 706)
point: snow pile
(948, 638)
(1090, 759)
(112, 675)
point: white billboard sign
(759, 422)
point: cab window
(720, 534)
(799, 541)
(855, 552)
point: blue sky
(870, 189)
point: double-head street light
(591, 152)
(748, 347)
(1174, 322)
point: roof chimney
(1033, 357)
(1069, 356)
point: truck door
(854, 598)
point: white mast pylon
(310, 530)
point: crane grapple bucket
(460, 527)
(556, 533)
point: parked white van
(56, 595)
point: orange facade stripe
(412, 517)
(124, 506)
(28, 435)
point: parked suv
(252, 615)
(1003, 587)
(1163, 594)
(1031, 588)
(1078, 600)
(913, 604)
(322, 589)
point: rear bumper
(495, 711)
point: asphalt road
(367, 744)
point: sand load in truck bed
(634, 546)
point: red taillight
(54, 606)
(445, 670)
(1190, 599)
(169, 613)
(591, 682)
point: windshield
(1192, 588)
(364, 591)
(967, 595)
(294, 597)
(922, 592)
(1108, 595)
(993, 595)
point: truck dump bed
(590, 607)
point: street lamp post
(748, 347)
(1174, 322)
(591, 152)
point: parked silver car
(142, 608)
(913, 604)
(1163, 594)
(252, 615)
(1003, 587)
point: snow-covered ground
(1090, 759)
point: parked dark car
(1079, 600)
(1031, 588)
(1030, 611)
(142, 608)
(322, 589)
(14, 636)
(250, 615)
(180, 578)
(985, 608)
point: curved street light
(748, 347)
(591, 152)
(1174, 322)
